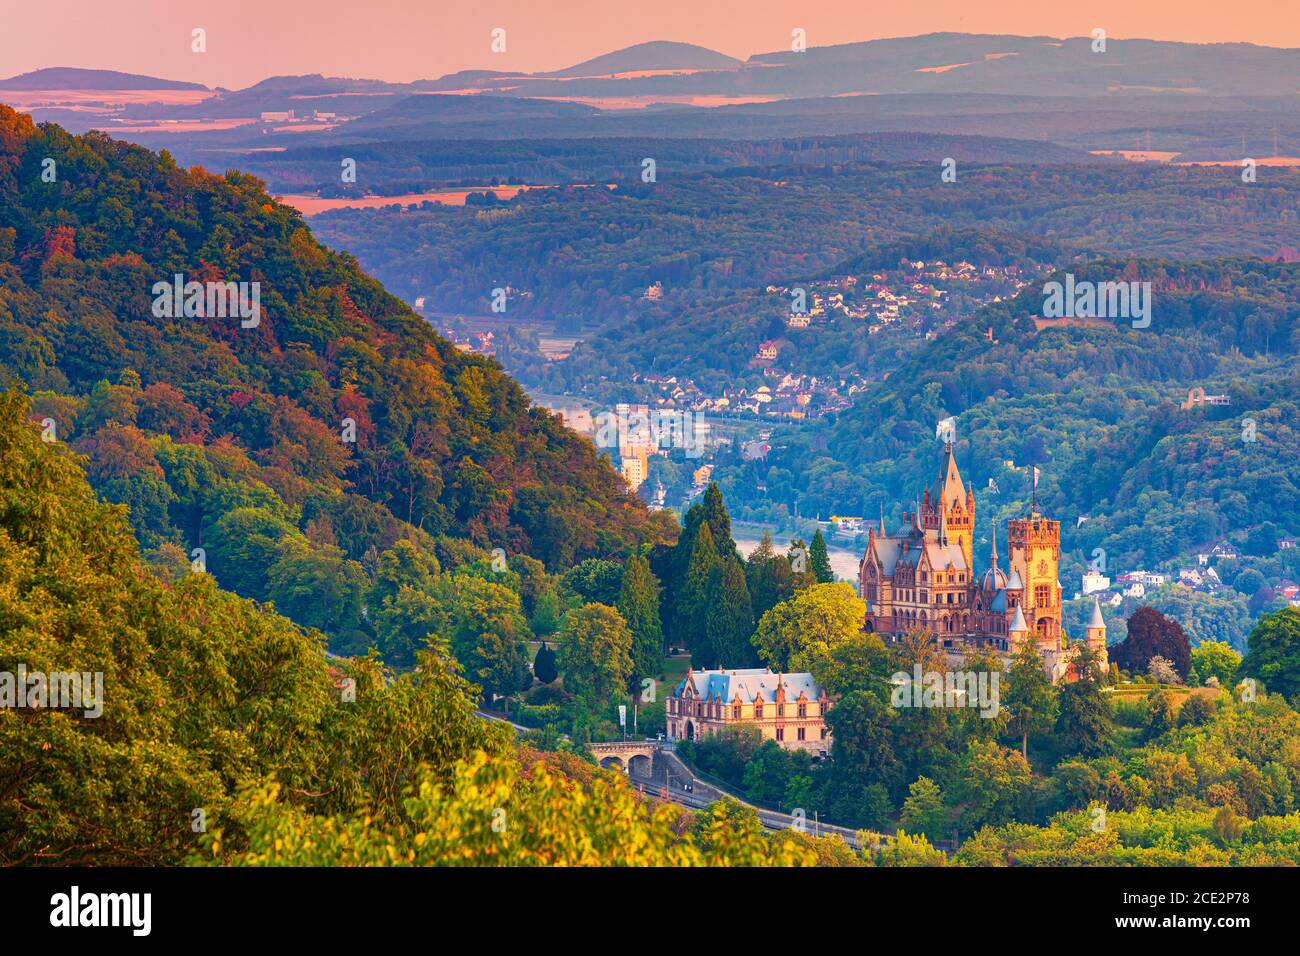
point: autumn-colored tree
(1151, 634)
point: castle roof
(942, 555)
(1019, 623)
(750, 685)
(999, 602)
(1096, 620)
(993, 580)
(948, 486)
(889, 551)
(1015, 584)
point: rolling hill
(338, 420)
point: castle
(924, 578)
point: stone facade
(924, 578)
(787, 708)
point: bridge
(632, 757)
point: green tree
(796, 633)
(859, 662)
(1273, 652)
(719, 522)
(547, 614)
(923, 810)
(692, 610)
(544, 665)
(768, 576)
(595, 654)
(638, 602)
(861, 745)
(729, 622)
(594, 581)
(1030, 701)
(243, 545)
(1216, 659)
(1160, 712)
(1085, 723)
(319, 587)
(994, 785)
(820, 559)
(484, 624)
(402, 564)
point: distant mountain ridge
(74, 78)
(654, 55)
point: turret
(1095, 636)
(1018, 632)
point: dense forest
(391, 159)
(586, 256)
(291, 455)
(226, 737)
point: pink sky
(411, 39)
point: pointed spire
(993, 558)
(1097, 621)
(1018, 625)
(882, 519)
(949, 485)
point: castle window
(758, 711)
(800, 732)
(780, 710)
(803, 710)
(780, 733)
(735, 712)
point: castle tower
(1018, 632)
(1035, 554)
(950, 506)
(1096, 635)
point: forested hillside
(297, 450)
(226, 737)
(586, 256)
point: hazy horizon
(400, 41)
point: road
(702, 794)
(769, 818)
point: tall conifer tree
(638, 602)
